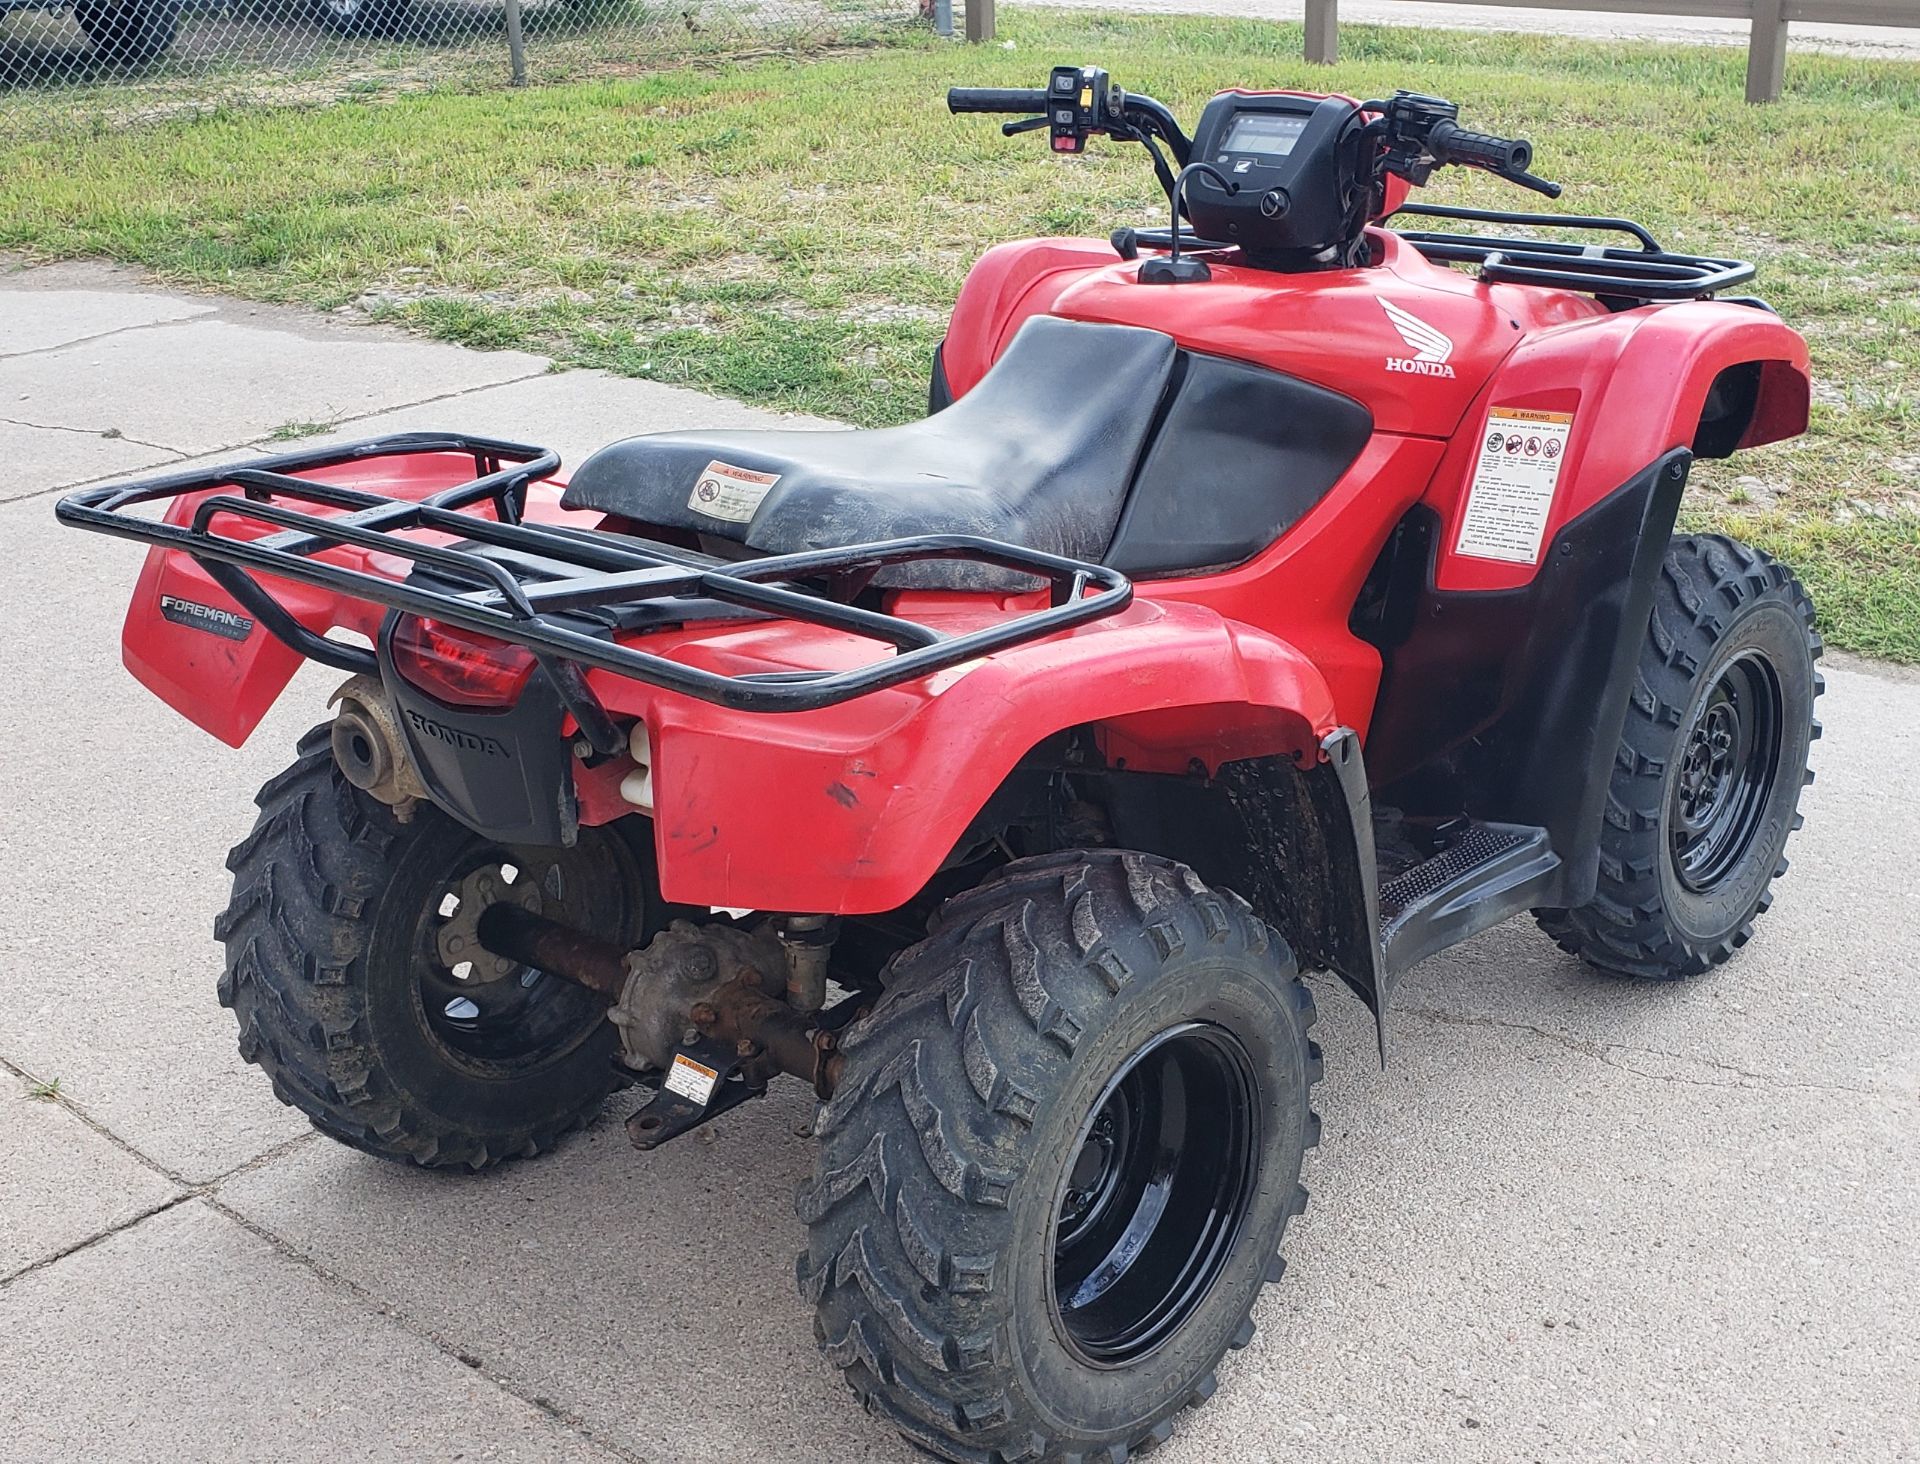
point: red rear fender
(852, 809)
(189, 643)
(202, 654)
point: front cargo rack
(560, 591)
(1641, 275)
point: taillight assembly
(460, 667)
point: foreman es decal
(210, 618)
(1430, 347)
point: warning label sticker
(1512, 490)
(691, 1080)
(723, 491)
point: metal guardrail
(1766, 49)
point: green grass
(294, 431)
(793, 231)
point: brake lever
(1025, 124)
(1535, 182)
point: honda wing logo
(1430, 348)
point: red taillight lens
(460, 667)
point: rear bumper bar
(535, 585)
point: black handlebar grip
(1025, 100)
(1450, 143)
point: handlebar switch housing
(1079, 103)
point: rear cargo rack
(534, 585)
(1643, 275)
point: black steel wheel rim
(1155, 1194)
(1725, 773)
(501, 1018)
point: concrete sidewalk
(1576, 1220)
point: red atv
(1260, 595)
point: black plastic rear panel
(502, 773)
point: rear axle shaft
(731, 1005)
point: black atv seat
(1040, 453)
(1097, 442)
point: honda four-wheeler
(1278, 591)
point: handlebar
(1410, 134)
(1451, 143)
(996, 99)
(1077, 103)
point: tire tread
(1705, 580)
(296, 934)
(907, 1210)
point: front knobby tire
(1084, 1043)
(337, 972)
(1705, 788)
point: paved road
(1574, 1221)
(1886, 42)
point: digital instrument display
(1267, 134)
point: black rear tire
(335, 973)
(1093, 1056)
(1706, 785)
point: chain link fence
(110, 62)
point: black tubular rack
(1642, 274)
(561, 592)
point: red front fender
(851, 809)
(1634, 385)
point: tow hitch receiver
(706, 1011)
(703, 1081)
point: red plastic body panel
(863, 800)
(1635, 384)
(1332, 329)
(225, 686)
(1003, 288)
(856, 804)
(1643, 373)
(852, 808)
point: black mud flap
(1293, 838)
(1356, 954)
(503, 774)
(1304, 857)
(1506, 705)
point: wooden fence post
(1323, 31)
(1767, 51)
(979, 20)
